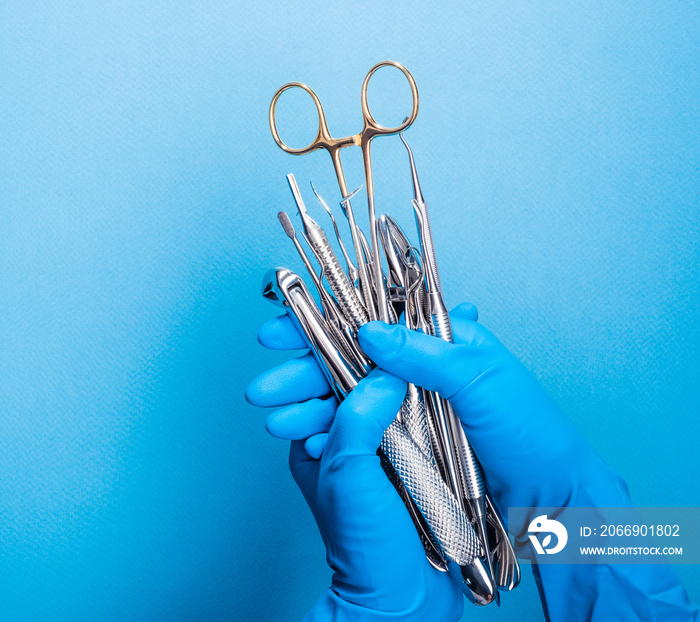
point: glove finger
(294, 381)
(279, 333)
(511, 423)
(299, 421)
(371, 542)
(361, 419)
(424, 360)
(315, 445)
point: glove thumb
(421, 359)
(363, 416)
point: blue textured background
(558, 145)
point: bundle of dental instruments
(424, 452)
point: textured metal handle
(441, 325)
(415, 419)
(344, 291)
(442, 512)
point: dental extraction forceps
(324, 140)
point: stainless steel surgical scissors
(324, 140)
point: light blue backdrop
(558, 146)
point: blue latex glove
(380, 569)
(531, 454)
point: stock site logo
(542, 524)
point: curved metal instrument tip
(347, 198)
(286, 224)
(417, 194)
(345, 201)
(306, 220)
(320, 199)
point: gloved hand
(380, 569)
(530, 453)
(532, 456)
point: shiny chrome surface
(425, 452)
(287, 290)
(344, 291)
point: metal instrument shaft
(345, 294)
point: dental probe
(472, 484)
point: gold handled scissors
(324, 140)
